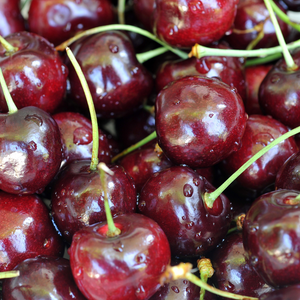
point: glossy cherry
(124, 267)
(199, 121)
(41, 276)
(143, 10)
(292, 4)
(289, 293)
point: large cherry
(143, 10)
(124, 267)
(199, 121)
(183, 24)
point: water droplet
(188, 190)
(113, 48)
(142, 205)
(47, 243)
(175, 289)
(82, 136)
(185, 282)
(32, 145)
(275, 79)
(188, 290)
(211, 115)
(189, 225)
(254, 260)
(198, 235)
(34, 118)
(140, 292)
(78, 272)
(134, 70)
(63, 192)
(196, 181)
(141, 258)
(118, 246)
(183, 218)
(176, 102)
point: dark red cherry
(26, 230)
(41, 276)
(271, 237)
(35, 74)
(292, 4)
(183, 24)
(59, 20)
(199, 121)
(279, 95)
(173, 198)
(125, 267)
(11, 17)
(78, 196)
(289, 293)
(143, 10)
(118, 82)
(30, 151)
(260, 131)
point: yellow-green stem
(121, 11)
(9, 274)
(9, 101)
(7, 46)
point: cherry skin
(59, 20)
(199, 121)
(143, 10)
(292, 4)
(173, 198)
(77, 196)
(289, 293)
(183, 24)
(35, 74)
(30, 151)
(271, 237)
(40, 276)
(26, 230)
(123, 267)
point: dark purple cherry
(78, 196)
(43, 277)
(292, 4)
(199, 121)
(30, 151)
(173, 198)
(35, 74)
(260, 131)
(118, 82)
(59, 20)
(143, 10)
(289, 293)
(279, 95)
(183, 24)
(124, 267)
(26, 230)
(233, 273)
(11, 17)
(271, 235)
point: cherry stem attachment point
(209, 198)
(87, 93)
(112, 229)
(7, 46)
(9, 274)
(12, 108)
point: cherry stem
(135, 29)
(206, 271)
(143, 57)
(144, 141)
(210, 198)
(286, 54)
(121, 11)
(9, 274)
(262, 60)
(87, 93)
(7, 46)
(112, 229)
(9, 101)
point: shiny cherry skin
(35, 74)
(77, 137)
(11, 17)
(118, 82)
(30, 151)
(26, 230)
(124, 267)
(229, 69)
(59, 20)
(199, 121)
(291, 292)
(233, 273)
(251, 13)
(183, 24)
(41, 276)
(279, 95)
(174, 199)
(260, 131)
(143, 10)
(292, 4)
(77, 196)
(271, 237)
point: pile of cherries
(126, 130)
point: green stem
(23, 4)
(231, 230)
(209, 198)
(112, 229)
(144, 141)
(87, 93)
(7, 46)
(138, 30)
(197, 281)
(9, 274)
(121, 11)
(9, 101)
(143, 57)
(262, 60)
(286, 54)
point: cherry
(59, 20)
(199, 121)
(40, 276)
(143, 10)
(288, 293)
(126, 266)
(185, 24)
(292, 4)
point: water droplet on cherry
(175, 289)
(34, 118)
(47, 243)
(32, 145)
(196, 181)
(188, 190)
(113, 48)
(189, 225)
(78, 272)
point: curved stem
(286, 54)
(143, 57)
(9, 274)
(87, 93)
(138, 30)
(209, 198)
(262, 60)
(9, 101)
(121, 11)
(7, 46)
